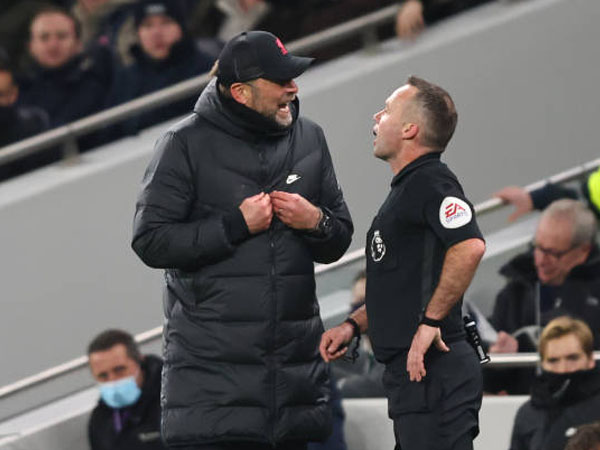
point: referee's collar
(420, 161)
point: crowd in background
(62, 60)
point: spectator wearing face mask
(127, 416)
(566, 394)
(164, 55)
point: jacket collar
(551, 390)
(427, 158)
(237, 119)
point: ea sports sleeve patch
(454, 213)
(450, 215)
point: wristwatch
(324, 224)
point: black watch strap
(356, 328)
(430, 322)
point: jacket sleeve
(545, 195)
(163, 234)
(331, 245)
(520, 436)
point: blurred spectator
(62, 80)
(414, 15)
(127, 416)
(559, 276)
(107, 23)
(16, 121)
(19, 122)
(164, 55)
(240, 15)
(360, 378)
(566, 394)
(15, 17)
(293, 20)
(587, 437)
(525, 202)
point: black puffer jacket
(242, 320)
(559, 402)
(141, 428)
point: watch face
(325, 222)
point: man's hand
(422, 340)
(518, 197)
(409, 21)
(334, 342)
(505, 344)
(258, 212)
(295, 211)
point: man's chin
(283, 121)
(545, 278)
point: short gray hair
(583, 221)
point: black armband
(356, 328)
(430, 322)
(355, 334)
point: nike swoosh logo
(292, 178)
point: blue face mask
(120, 393)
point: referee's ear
(410, 130)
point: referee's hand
(422, 340)
(334, 342)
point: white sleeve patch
(454, 213)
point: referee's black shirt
(425, 213)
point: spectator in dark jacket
(561, 275)
(239, 201)
(163, 56)
(566, 394)
(18, 122)
(127, 416)
(62, 80)
(525, 202)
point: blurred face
(114, 364)
(157, 34)
(53, 41)
(565, 355)
(91, 5)
(272, 99)
(553, 253)
(8, 90)
(389, 123)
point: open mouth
(284, 108)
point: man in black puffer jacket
(239, 201)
